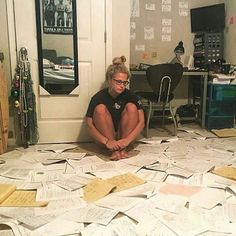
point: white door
(61, 117)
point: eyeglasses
(120, 82)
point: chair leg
(173, 118)
(148, 119)
(163, 114)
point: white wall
(230, 32)
(180, 31)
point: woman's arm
(94, 132)
(110, 144)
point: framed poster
(57, 45)
(58, 16)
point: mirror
(57, 45)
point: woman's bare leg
(104, 124)
(129, 121)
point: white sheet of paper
(230, 207)
(29, 186)
(205, 133)
(155, 227)
(154, 140)
(122, 226)
(216, 219)
(175, 170)
(5, 180)
(140, 160)
(94, 229)
(172, 179)
(232, 188)
(103, 166)
(42, 175)
(149, 148)
(59, 148)
(140, 48)
(16, 173)
(60, 206)
(166, 21)
(59, 227)
(166, 30)
(195, 165)
(27, 216)
(52, 192)
(195, 180)
(158, 166)
(106, 174)
(13, 228)
(188, 223)
(69, 169)
(69, 184)
(85, 161)
(148, 32)
(91, 214)
(152, 175)
(60, 157)
(143, 209)
(124, 168)
(145, 190)
(170, 203)
(34, 157)
(208, 198)
(72, 155)
(150, 6)
(122, 204)
(135, 9)
(166, 38)
(132, 35)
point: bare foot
(115, 156)
(124, 154)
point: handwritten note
(125, 181)
(6, 190)
(97, 189)
(23, 199)
(226, 171)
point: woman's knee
(100, 109)
(130, 108)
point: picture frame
(57, 16)
(58, 64)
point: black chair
(163, 79)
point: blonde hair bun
(119, 60)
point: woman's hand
(115, 145)
(123, 143)
(112, 145)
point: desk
(138, 82)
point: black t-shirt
(114, 105)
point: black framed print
(58, 16)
